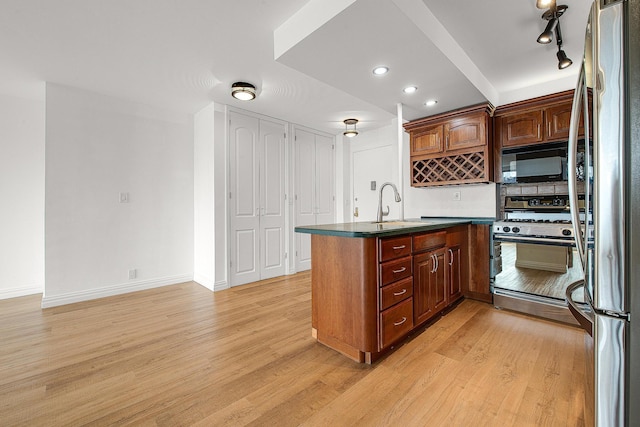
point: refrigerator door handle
(585, 319)
(572, 165)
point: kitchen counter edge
(369, 229)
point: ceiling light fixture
(381, 70)
(553, 16)
(544, 4)
(410, 89)
(350, 132)
(431, 103)
(563, 61)
(243, 91)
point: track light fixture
(553, 16)
(350, 132)
(553, 28)
(563, 61)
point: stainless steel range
(536, 219)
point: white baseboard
(547, 266)
(20, 292)
(108, 291)
(221, 285)
(204, 281)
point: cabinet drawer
(395, 270)
(395, 248)
(423, 242)
(396, 322)
(392, 294)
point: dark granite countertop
(388, 228)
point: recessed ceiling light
(410, 89)
(379, 71)
(431, 103)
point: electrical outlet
(456, 196)
(124, 197)
(132, 274)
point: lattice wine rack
(468, 167)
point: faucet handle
(387, 212)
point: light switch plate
(373, 185)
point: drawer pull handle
(397, 294)
(404, 319)
(397, 248)
(450, 257)
(399, 271)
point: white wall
(477, 200)
(22, 193)
(96, 148)
(221, 190)
(203, 185)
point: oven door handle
(583, 317)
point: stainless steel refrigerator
(609, 83)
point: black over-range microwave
(539, 163)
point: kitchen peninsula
(372, 284)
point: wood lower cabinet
(429, 285)
(369, 293)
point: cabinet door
(558, 120)
(427, 140)
(429, 287)
(521, 129)
(465, 132)
(438, 284)
(454, 273)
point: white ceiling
(184, 54)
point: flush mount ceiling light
(381, 70)
(350, 131)
(431, 103)
(410, 89)
(243, 91)
(553, 16)
(544, 4)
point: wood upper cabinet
(451, 148)
(521, 129)
(466, 132)
(534, 121)
(428, 140)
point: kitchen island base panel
(344, 291)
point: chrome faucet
(397, 196)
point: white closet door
(324, 181)
(272, 206)
(244, 152)
(304, 194)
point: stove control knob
(506, 229)
(566, 232)
(516, 229)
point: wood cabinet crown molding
(484, 107)
(535, 103)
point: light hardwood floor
(537, 282)
(180, 355)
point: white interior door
(272, 204)
(244, 152)
(304, 147)
(371, 165)
(324, 180)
